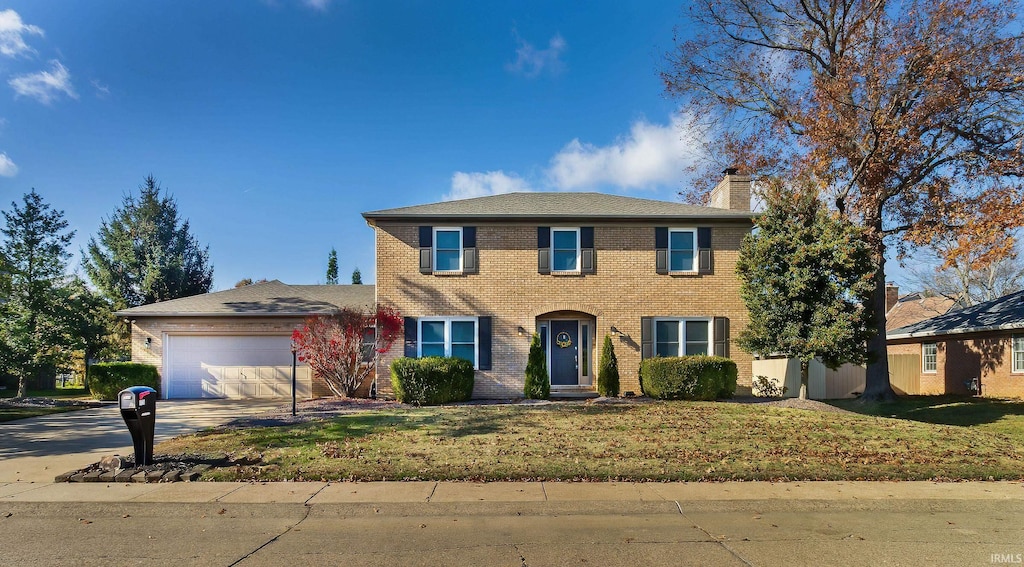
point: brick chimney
(892, 295)
(732, 192)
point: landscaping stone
(125, 475)
(166, 468)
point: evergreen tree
(35, 324)
(608, 371)
(806, 276)
(144, 252)
(332, 267)
(357, 277)
(538, 385)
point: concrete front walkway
(514, 524)
(39, 448)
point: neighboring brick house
(477, 277)
(982, 343)
(912, 307)
(236, 343)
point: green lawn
(991, 415)
(11, 413)
(651, 441)
(59, 393)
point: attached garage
(236, 343)
(232, 366)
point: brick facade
(508, 288)
(988, 356)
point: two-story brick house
(477, 277)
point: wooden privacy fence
(845, 382)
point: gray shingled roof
(1003, 313)
(563, 205)
(271, 298)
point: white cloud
(477, 184)
(12, 30)
(320, 5)
(651, 155)
(102, 91)
(531, 62)
(7, 167)
(45, 86)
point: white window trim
(448, 335)
(1013, 353)
(681, 321)
(696, 260)
(579, 252)
(461, 248)
(924, 359)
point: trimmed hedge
(432, 380)
(106, 379)
(688, 377)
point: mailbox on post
(138, 408)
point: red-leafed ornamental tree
(343, 348)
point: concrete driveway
(39, 448)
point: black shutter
(587, 254)
(661, 249)
(410, 337)
(426, 249)
(704, 250)
(646, 337)
(544, 249)
(470, 264)
(543, 237)
(484, 346)
(721, 336)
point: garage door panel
(232, 367)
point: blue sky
(275, 123)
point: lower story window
(448, 336)
(682, 337)
(929, 357)
(1018, 353)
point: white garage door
(232, 367)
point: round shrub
(688, 377)
(106, 379)
(432, 380)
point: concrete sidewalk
(312, 493)
(513, 524)
(39, 448)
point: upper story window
(682, 250)
(449, 336)
(1018, 353)
(929, 357)
(565, 249)
(682, 337)
(448, 249)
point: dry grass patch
(653, 441)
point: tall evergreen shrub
(538, 385)
(608, 371)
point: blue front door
(565, 353)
